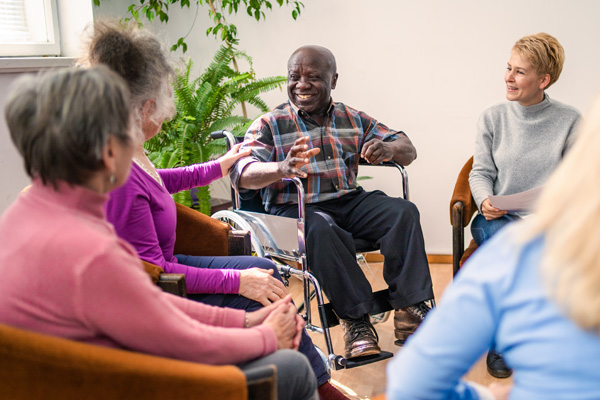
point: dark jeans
(482, 229)
(391, 223)
(243, 303)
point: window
(28, 28)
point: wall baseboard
(432, 258)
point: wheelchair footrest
(342, 363)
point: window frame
(28, 49)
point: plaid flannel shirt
(331, 173)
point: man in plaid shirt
(320, 141)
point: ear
(108, 155)
(545, 81)
(334, 80)
(148, 108)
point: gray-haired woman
(59, 255)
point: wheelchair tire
(237, 222)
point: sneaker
(407, 320)
(360, 337)
(496, 365)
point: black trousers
(392, 223)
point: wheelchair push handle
(231, 140)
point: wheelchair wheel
(324, 359)
(237, 222)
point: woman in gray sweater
(519, 143)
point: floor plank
(370, 380)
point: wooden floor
(369, 380)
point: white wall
(426, 67)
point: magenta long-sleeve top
(66, 273)
(144, 214)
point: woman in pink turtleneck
(66, 273)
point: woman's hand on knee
(257, 284)
(490, 212)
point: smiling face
(311, 77)
(523, 84)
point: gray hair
(60, 121)
(139, 57)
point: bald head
(317, 52)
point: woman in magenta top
(59, 257)
(142, 210)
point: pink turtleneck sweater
(66, 273)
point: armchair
(462, 208)
(198, 234)
(38, 366)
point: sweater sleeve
(456, 333)
(137, 315)
(130, 212)
(484, 173)
(186, 178)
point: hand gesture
(258, 284)
(297, 157)
(228, 159)
(490, 212)
(284, 322)
(258, 317)
(376, 151)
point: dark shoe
(360, 337)
(329, 392)
(407, 320)
(496, 365)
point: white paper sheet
(523, 201)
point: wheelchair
(282, 240)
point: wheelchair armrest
(261, 382)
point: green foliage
(217, 10)
(204, 105)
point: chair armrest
(199, 234)
(173, 283)
(239, 243)
(462, 193)
(38, 366)
(262, 382)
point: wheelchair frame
(265, 244)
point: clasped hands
(282, 317)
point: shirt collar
(304, 114)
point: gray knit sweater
(517, 147)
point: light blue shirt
(498, 297)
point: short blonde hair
(544, 52)
(568, 214)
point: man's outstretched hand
(298, 156)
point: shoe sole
(364, 353)
(499, 374)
